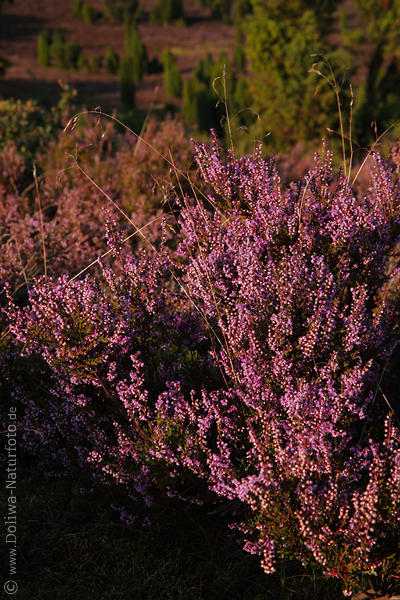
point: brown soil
(22, 20)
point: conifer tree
(57, 50)
(116, 10)
(190, 89)
(168, 11)
(127, 83)
(71, 55)
(112, 60)
(43, 48)
(279, 48)
(135, 50)
(172, 75)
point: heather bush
(60, 230)
(29, 126)
(245, 367)
(294, 287)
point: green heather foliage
(167, 11)
(43, 48)
(111, 60)
(135, 51)
(29, 126)
(172, 75)
(127, 82)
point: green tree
(204, 69)
(200, 106)
(377, 97)
(241, 96)
(135, 51)
(71, 55)
(112, 60)
(43, 47)
(76, 8)
(172, 75)
(222, 77)
(220, 9)
(57, 50)
(115, 10)
(279, 48)
(94, 63)
(167, 11)
(189, 95)
(89, 13)
(127, 83)
(239, 58)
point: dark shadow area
(198, 20)
(13, 27)
(89, 93)
(71, 545)
(45, 92)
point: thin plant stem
(41, 221)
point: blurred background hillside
(204, 60)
